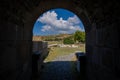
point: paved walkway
(61, 68)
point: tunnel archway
(61, 33)
(69, 5)
(102, 35)
(69, 21)
(47, 5)
(67, 24)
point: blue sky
(57, 21)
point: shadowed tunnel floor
(61, 68)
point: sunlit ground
(61, 63)
(60, 51)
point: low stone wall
(40, 52)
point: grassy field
(60, 51)
(54, 42)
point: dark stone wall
(15, 44)
(103, 41)
(101, 20)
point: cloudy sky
(57, 21)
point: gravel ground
(61, 68)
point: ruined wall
(40, 47)
(40, 52)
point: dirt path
(61, 68)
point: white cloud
(48, 17)
(74, 20)
(55, 25)
(46, 28)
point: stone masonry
(101, 21)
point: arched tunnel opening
(58, 39)
(101, 21)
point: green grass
(54, 42)
(60, 51)
(65, 50)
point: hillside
(51, 37)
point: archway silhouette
(69, 5)
(70, 49)
(102, 35)
(65, 4)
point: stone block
(108, 58)
(99, 37)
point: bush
(68, 41)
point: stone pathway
(61, 68)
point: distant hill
(37, 38)
(51, 37)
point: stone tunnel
(100, 18)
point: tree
(79, 36)
(68, 40)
